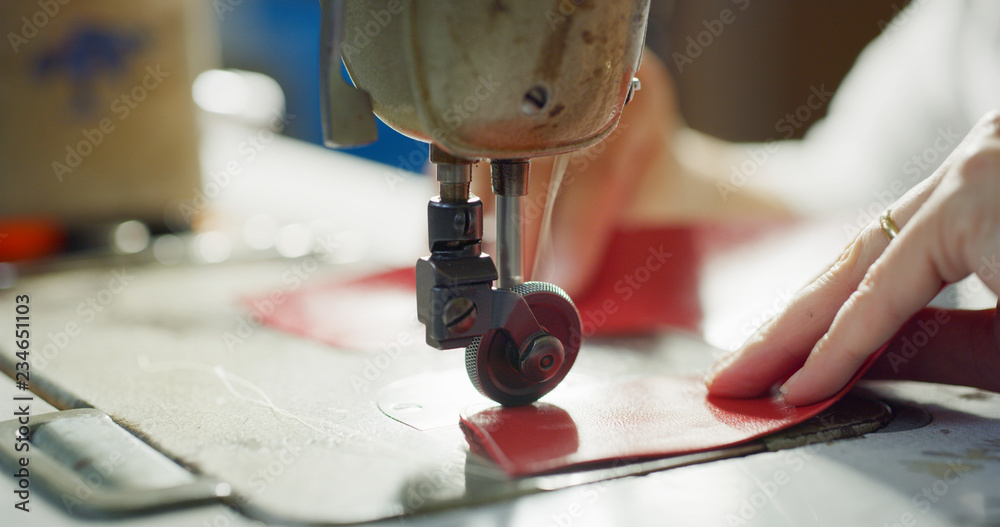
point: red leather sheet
(648, 282)
(628, 421)
(365, 314)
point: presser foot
(515, 375)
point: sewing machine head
(505, 80)
(495, 79)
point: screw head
(459, 315)
(463, 222)
(534, 100)
(542, 358)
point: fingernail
(789, 383)
(720, 365)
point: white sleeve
(909, 100)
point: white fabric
(912, 96)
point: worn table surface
(172, 355)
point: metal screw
(534, 100)
(463, 222)
(634, 87)
(459, 315)
(542, 358)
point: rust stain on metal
(498, 6)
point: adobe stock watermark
(447, 477)
(590, 494)
(259, 480)
(360, 36)
(795, 460)
(87, 310)
(989, 267)
(376, 365)
(293, 279)
(794, 120)
(30, 26)
(914, 168)
(411, 163)
(98, 472)
(625, 288)
(579, 161)
(924, 500)
(959, 293)
(779, 303)
(218, 180)
(264, 476)
(758, 155)
(462, 110)
(714, 28)
(911, 344)
(224, 7)
(122, 106)
(484, 87)
(933, 155)
(740, 174)
(899, 17)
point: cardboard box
(97, 122)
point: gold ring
(888, 226)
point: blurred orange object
(24, 239)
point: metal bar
(454, 180)
(510, 235)
(64, 445)
(510, 184)
(454, 174)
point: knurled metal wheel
(490, 359)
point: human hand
(949, 228)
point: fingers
(945, 346)
(781, 346)
(954, 217)
(902, 281)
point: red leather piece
(648, 282)
(629, 421)
(365, 314)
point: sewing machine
(432, 71)
(269, 428)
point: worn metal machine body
(503, 80)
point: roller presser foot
(521, 339)
(514, 375)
